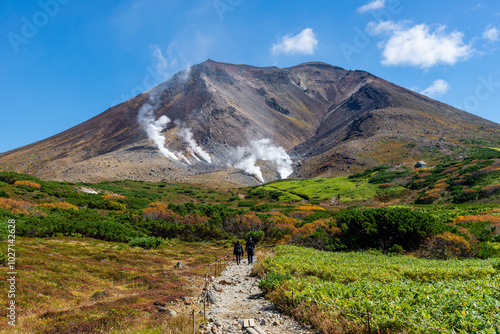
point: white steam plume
(263, 149)
(154, 128)
(193, 147)
(248, 165)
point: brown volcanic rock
(331, 121)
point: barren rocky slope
(330, 120)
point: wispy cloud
(438, 88)
(161, 63)
(304, 42)
(491, 34)
(374, 5)
(419, 45)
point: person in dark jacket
(238, 252)
(250, 246)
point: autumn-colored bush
(441, 185)
(194, 219)
(428, 198)
(59, 205)
(309, 207)
(241, 224)
(385, 185)
(423, 175)
(112, 197)
(445, 246)
(490, 189)
(299, 214)
(419, 181)
(450, 170)
(310, 228)
(160, 211)
(28, 184)
(283, 220)
(460, 182)
(476, 219)
(15, 206)
(485, 170)
(469, 191)
(117, 206)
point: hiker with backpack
(250, 246)
(238, 252)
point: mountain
(217, 119)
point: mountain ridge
(331, 121)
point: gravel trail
(238, 297)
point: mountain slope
(330, 120)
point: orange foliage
(194, 219)
(489, 169)
(424, 174)
(309, 207)
(59, 205)
(450, 170)
(385, 185)
(477, 219)
(441, 184)
(14, 206)
(276, 213)
(29, 184)
(445, 246)
(429, 198)
(284, 220)
(112, 196)
(310, 228)
(160, 211)
(490, 189)
(492, 211)
(241, 224)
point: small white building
(421, 164)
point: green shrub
(247, 204)
(383, 228)
(3, 258)
(396, 249)
(488, 249)
(146, 242)
(4, 194)
(257, 236)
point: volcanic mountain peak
(214, 117)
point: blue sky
(65, 61)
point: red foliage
(160, 211)
(241, 224)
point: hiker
(238, 252)
(249, 248)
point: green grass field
(324, 189)
(402, 294)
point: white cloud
(438, 88)
(374, 5)
(304, 42)
(491, 34)
(161, 63)
(419, 45)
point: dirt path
(238, 298)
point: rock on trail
(239, 297)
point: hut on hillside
(421, 164)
